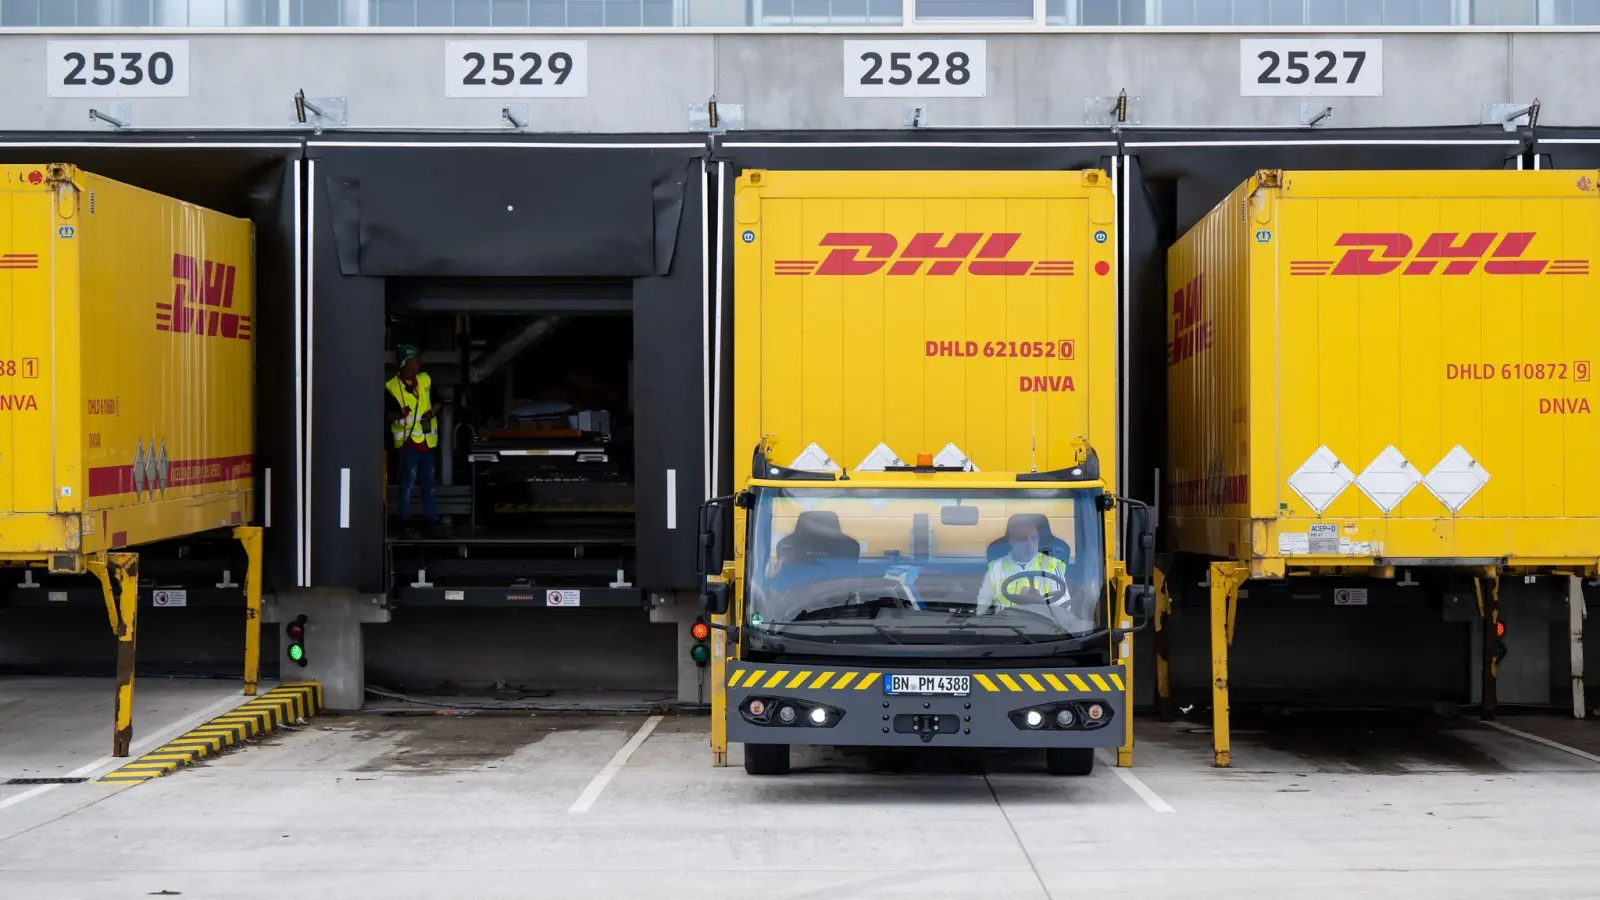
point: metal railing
(781, 13)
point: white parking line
(592, 792)
(1132, 781)
(1554, 745)
(136, 748)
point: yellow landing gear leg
(1124, 658)
(119, 581)
(1164, 707)
(250, 537)
(1225, 581)
(718, 686)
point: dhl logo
(200, 305)
(19, 261)
(1382, 252)
(1063, 681)
(868, 252)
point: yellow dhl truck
(922, 547)
(1382, 374)
(127, 386)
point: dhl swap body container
(964, 315)
(1388, 367)
(126, 366)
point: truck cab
(924, 606)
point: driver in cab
(1023, 535)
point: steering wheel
(1051, 595)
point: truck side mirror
(1139, 601)
(716, 519)
(1141, 542)
(714, 597)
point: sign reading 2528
(96, 68)
(522, 68)
(891, 68)
(1311, 67)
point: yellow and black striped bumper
(858, 709)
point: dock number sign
(96, 68)
(521, 68)
(915, 68)
(1311, 67)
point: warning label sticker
(561, 598)
(1324, 540)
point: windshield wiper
(826, 624)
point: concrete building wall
(646, 82)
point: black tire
(1069, 760)
(766, 759)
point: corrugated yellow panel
(1421, 347)
(921, 309)
(1207, 346)
(133, 314)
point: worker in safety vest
(413, 430)
(1023, 535)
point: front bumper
(860, 712)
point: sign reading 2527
(135, 68)
(1311, 67)
(519, 68)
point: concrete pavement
(481, 806)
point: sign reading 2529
(521, 68)
(96, 68)
(891, 68)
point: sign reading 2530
(96, 68)
(890, 68)
(520, 68)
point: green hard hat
(405, 352)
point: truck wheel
(1068, 760)
(766, 759)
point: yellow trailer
(923, 546)
(1372, 370)
(126, 383)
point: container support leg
(1225, 581)
(1489, 608)
(119, 582)
(250, 537)
(1575, 615)
(1163, 634)
(1124, 651)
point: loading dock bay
(518, 804)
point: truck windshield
(948, 567)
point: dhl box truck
(126, 377)
(1372, 372)
(923, 541)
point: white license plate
(952, 685)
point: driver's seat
(1048, 542)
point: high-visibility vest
(1005, 567)
(414, 406)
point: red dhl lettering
(1045, 384)
(18, 402)
(201, 298)
(19, 261)
(927, 253)
(1563, 406)
(1191, 329)
(1443, 252)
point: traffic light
(296, 630)
(1500, 641)
(701, 632)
